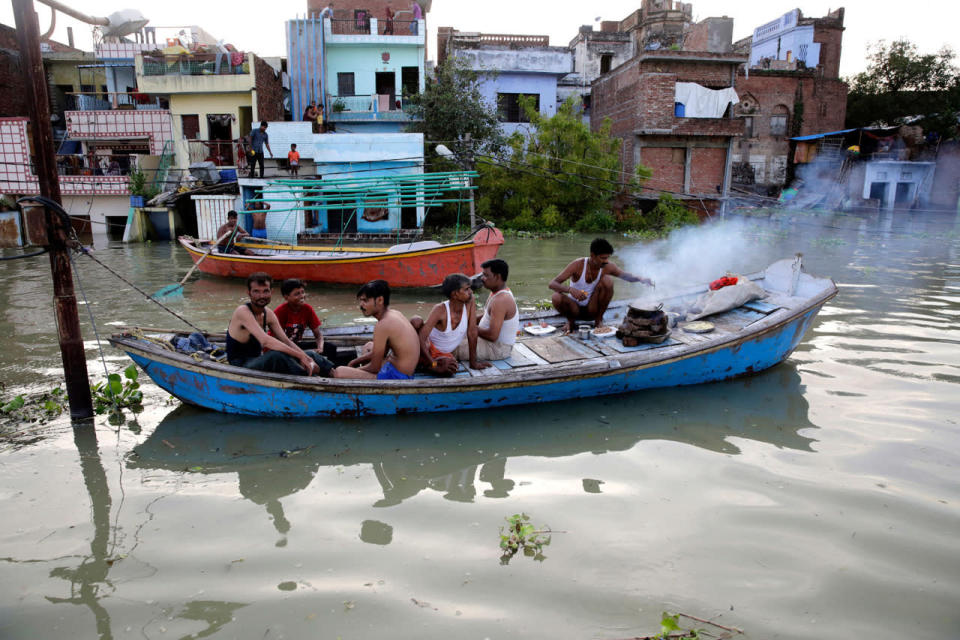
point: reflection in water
(273, 459)
(90, 582)
(376, 532)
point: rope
(146, 295)
(93, 321)
(25, 255)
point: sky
(258, 27)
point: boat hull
(422, 268)
(285, 396)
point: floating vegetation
(34, 408)
(519, 535)
(114, 394)
(677, 626)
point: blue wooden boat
(745, 340)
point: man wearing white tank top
(449, 324)
(591, 285)
(497, 329)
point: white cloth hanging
(701, 102)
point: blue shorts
(259, 233)
(390, 372)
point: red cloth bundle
(720, 283)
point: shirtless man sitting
(497, 328)
(232, 229)
(451, 323)
(395, 350)
(247, 336)
(591, 285)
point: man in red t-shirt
(295, 315)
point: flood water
(820, 498)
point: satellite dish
(124, 23)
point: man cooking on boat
(497, 328)
(247, 336)
(395, 349)
(591, 285)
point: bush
(596, 222)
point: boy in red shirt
(293, 159)
(295, 315)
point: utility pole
(469, 166)
(64, 299)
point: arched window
(778, 120)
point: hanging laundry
(701, 102)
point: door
(386, 85)
(410, 80)
(220, 138)
(904, 195)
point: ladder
(166, 159)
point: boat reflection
(453, 453)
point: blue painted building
(362, 71)
(512, 66)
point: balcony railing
(366, 104)
(219, 152)
(105, 101)
(118, 164)
(381, 26)
(197, 64)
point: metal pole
(65, 302)
(473, 215)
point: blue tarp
(815, 136)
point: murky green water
(818, 499)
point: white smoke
(696, 255)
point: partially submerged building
(672, 104)
(790, 87)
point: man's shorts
(259, 233)
(390, 372)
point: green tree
(901, 82)
(452, 110)
(559, 176)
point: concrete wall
(203, 105)
(547, 60)
(179, 84)
(366, 60)
(543, 85)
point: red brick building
(782, 98)
(689, 156)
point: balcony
(374, 31)
(220, 152)
(382, 107)
(106, 101)
(195, 73)
(196, 64)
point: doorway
(387, 85)
(904, 195)
(878, 191)
(220, 138)
(410, 81)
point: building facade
(356, 63)
(791, 87)
(511, 68)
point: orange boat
(414, 264)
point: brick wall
(667, 164)
(655, 108)
(824, 109)
(269, 86)
(706, 170)
(376, 8)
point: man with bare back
(395, 350)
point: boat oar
(176, 289)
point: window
(345, 86)
(508, 106)
(606, 61)
(748, 127)
(191, 126)
(778, 120)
